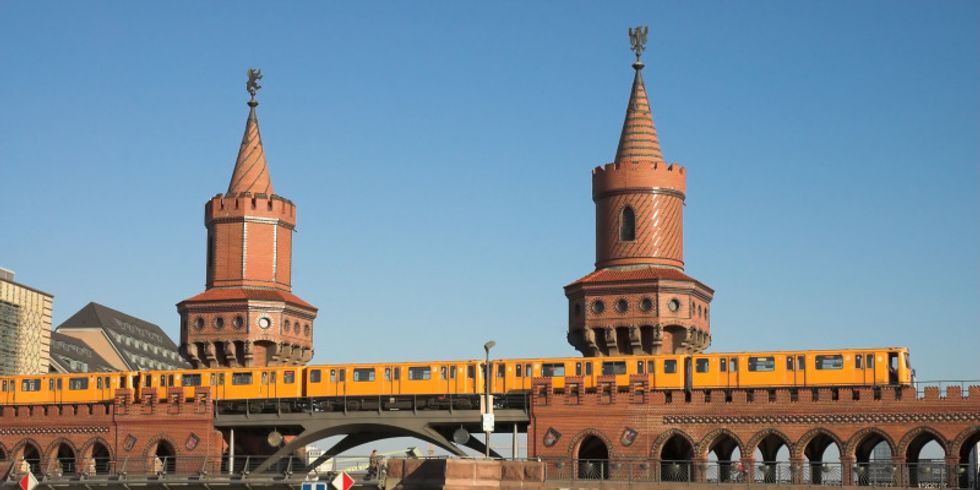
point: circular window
(306, 330)
(264, 322)
(674, 305)
(199, 323)
(219, 323)
(598, 307)
(622, 305)
(238, 322)
(646, 304)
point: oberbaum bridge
(608, 437)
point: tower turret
(638, 300)
(248, 316)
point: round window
(238, 322)
(674, 305)
(598, 307)
(622, 305)
(646, 304)
(219, 323)
(199, 323)
(265, 322)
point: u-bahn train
(433, 381)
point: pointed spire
(638, 140)
(251, 171)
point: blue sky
(440, 154)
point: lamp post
(486, 394)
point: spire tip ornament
(638, 42)
(252, 85)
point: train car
(424, 378)
(255, 383)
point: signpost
(28, 482)
(343, 481)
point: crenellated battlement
(638, 175)
(247, 204)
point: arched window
(627, 225)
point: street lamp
(486, 395)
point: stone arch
(62, 455)
(762, 435)
(703, 448)
(853, 448)
(91, 461)
(579, 438)
(658, 445)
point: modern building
(71, 355)
(122, 341)
(639, 300)
(25, 327)
(248, 315)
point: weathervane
(638, 40)
(252, 85)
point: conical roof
(638, 141)
(251, 171)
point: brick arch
(86, 449)
(51, 453)
(4, 455)
(658, 445)
(903, 445)
(955, 446)
(18, 450)
(704, 447)
(153, 441)
(756, 439)
(577, 441)
(800, 449)
(850, 449)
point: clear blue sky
(440, 156)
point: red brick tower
(248, 315)
(638, 300)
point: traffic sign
(28, 482)
(343, 481)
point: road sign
(343, 481)
(488, 422)
(28, 482)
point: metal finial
(252, 85)
(638, 40)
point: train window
(734, 364)
(30, 385)
(343, 375)
(148, 381)
(517, 371)
(387, 374)
(870, 361)
(265, 377)
(170, 380)
(398, 373)
(363, 374)
(639, 367)
(527, 370)
(77, 383)
(442, 372)
(857, 361)
(221, 379)
(722, 364)
(701, 365)
(59, 384)
(452, 372)
(835, 361)
(762, 364)
(588, 369)
(315, 375)
(3, 385)
(789, 363)
(50, 385)
(501, 370)
(471, 371)
(272, 377)
(908, 361)
(163, 380)
(98, 383)
(650, 367)
(800, 363)
(419, 373)
(578, 368)
(552, 369)
(614, 367)
(191, 379)
(670, 366)
(289, 377)
(333, 375)
(241, 378)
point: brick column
(847, 470)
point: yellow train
(352, 386)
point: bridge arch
(722, 442)
(95, 456)
(160, 454)
(863, 442)
(769, 442)
(61, 455)
(963, 447)
(591, 450)
(27, 450)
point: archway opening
(164, 459)
(593, 459)
(32, 455)
(100, 459)
(724, 460)
(822, 465)
(675, 459)
(3, 454)
(926, 458)
(66, 459)
(873, 455)
(772, 460)
(969, 464)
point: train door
(733, 373)
(392, 380)
(500, 376)
(893, 366)
(799, 372)
(866, 368)
(217, 380)
(688, 374)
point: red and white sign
(29, 482)
(343, 481)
